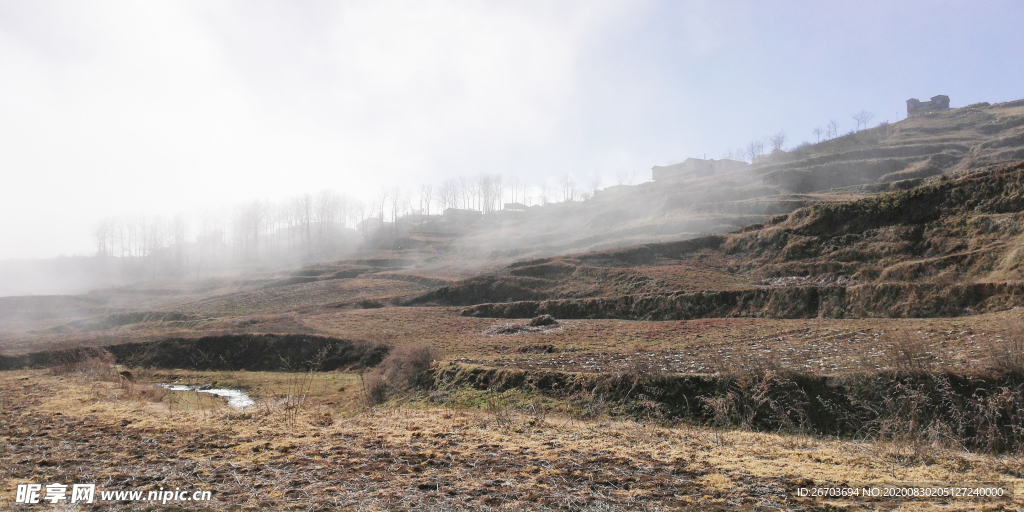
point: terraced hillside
(817, 239)
(886, 158)
(916, 148)
(951, 247)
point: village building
(695, 168)
(916, 107)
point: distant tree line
(311, 225)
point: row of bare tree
(831, 130)
(310, 225)
(756, 147)
(307, 224)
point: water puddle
(236, 397)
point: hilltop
(885, 158)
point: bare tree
(483, 192)
(817, 131)
(382, 199)
(360, 209)
(777, 140)
(326, 205)
(426, 197)
(568, 185)
(104, 235)
(755, 149)
(833, 129)
(862, 118)
(179, 232)
(518, 186)
(447, 194)
(497, 192)
(466, 192)
(625, 178)
(395, 197)
(595, 184)
(490, 188)
(250, 224)
(303, 211)
(345, 210)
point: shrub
(1007, 354)
(543, 320)
(905, 353)
(95, 364)
(375, 389)
(403, 368)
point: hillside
(849, 226)
(886, 158)
(947, 248)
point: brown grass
(441, 458)
(1006, 352)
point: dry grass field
(407, 454)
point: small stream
(236, 397)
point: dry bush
(133, 390)
(921, 411)
(300, 384)
(98, 365)
(375, 388)
(402, 369)
(404, 366)
(266, 408)
(500, 406)
(905, 352)
(91, 363)
(762, 399)
(543, 320)
(1007, 355)
(320, 417)
(147, 392)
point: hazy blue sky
(113, 107)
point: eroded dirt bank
(254, 352)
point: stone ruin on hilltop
(916, 107)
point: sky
(120, 107)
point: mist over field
(149, 112)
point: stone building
(916, 107)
